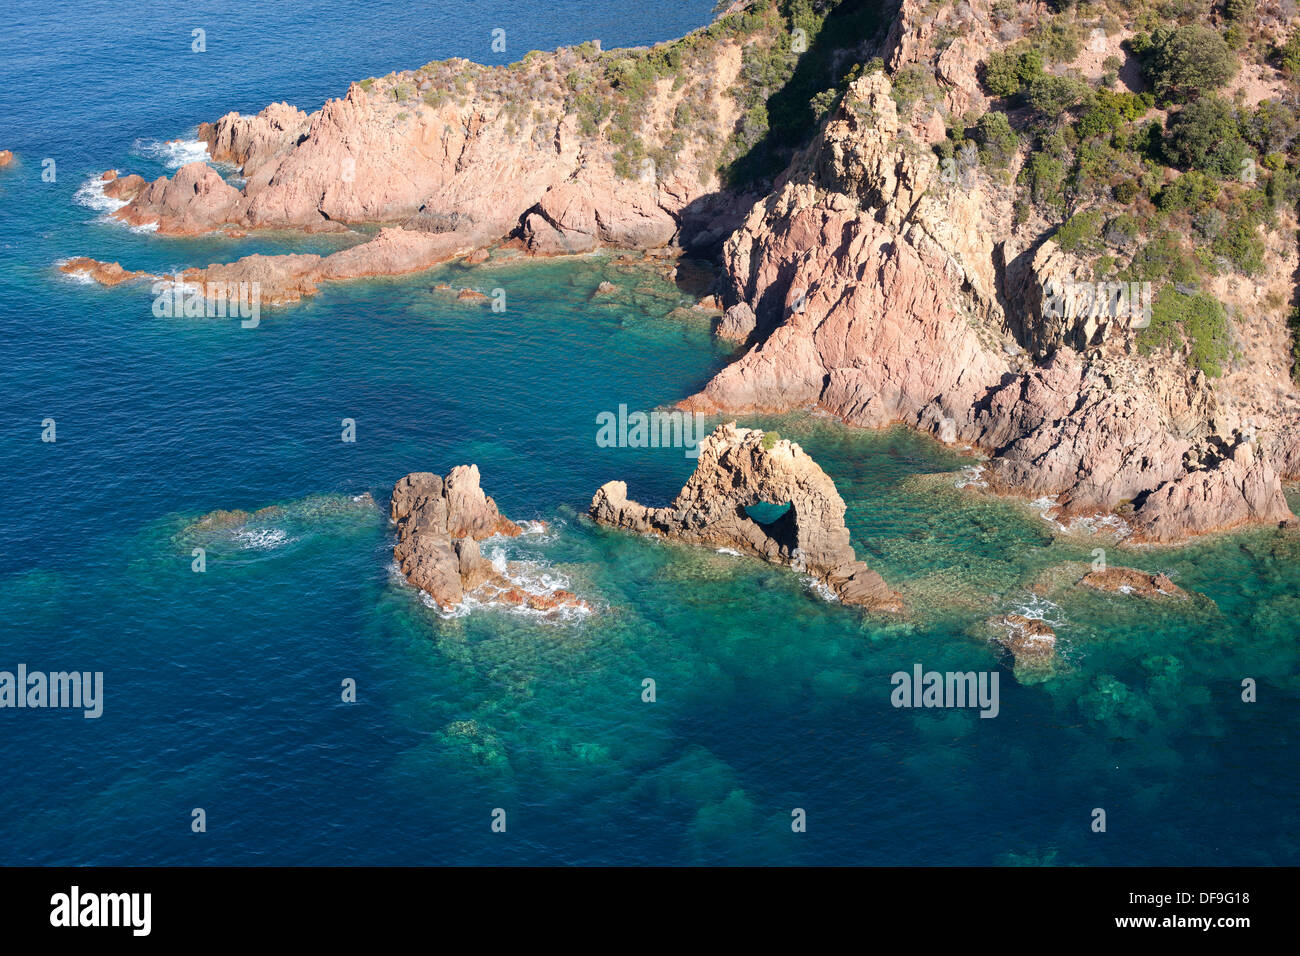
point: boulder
(439, 524)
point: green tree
(1053, 95)
(1007, 73)
(1204, 135)
(1188, 61)
(997, 140)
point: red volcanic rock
(465, 160)
(195, 200)
(283, 279)
(741, 467)
(1236, 490)
(6, 157)
(1132, 581)
(105, 273)
(470, 295)
(124, 188)
(1032, 642)
(872, 294)
(854, 276)
(253, 140)
(439, 524)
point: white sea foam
(972, 476)
(80, 278)
(1038, 608)
(731, 551)
(91, 195)
(1100, 522)
(172, 153)
(821, 589)
(261, 539)
(533, 577)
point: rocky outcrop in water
(439, 524)
(739, 468)
(6, 157)
(1031, 641)
(286, 279)
(105, 273)
(1132, 581)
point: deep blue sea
(222, 688)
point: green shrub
(1293, 321)
(1194, 322)
(1192, 191)
(770, 439)
(997, 141)
(1272, 128)
(1288, 55)
(1161, 259)
(1241, 245)
(1082, 232)
(1060, 39)
(1044, 175)
(1007, 73)
(1127, 192)
(1053, 95)
(1204, 135)
(1121, 230)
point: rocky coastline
(862, 281)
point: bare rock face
(195, 200)
(876, 296)
(738, 323)
(1032, 642)
(6, 157)
(253, 140)
(1094, 433)
(863, 283)
(124, 188)
(456, 147)
(1132, 581)
(739, 468)
(1240, 488)
(439, 524)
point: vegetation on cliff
(1171, 165)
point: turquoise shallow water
(222, 688)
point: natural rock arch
(737, 469)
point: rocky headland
(897, 264)
(739, 468)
